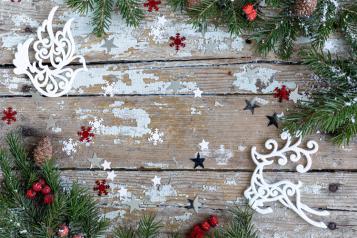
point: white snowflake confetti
(69, 146)
(97, 125)
(156, 137)
(156, 180)
(157, 30)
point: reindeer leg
(313, 211)
(302, 214)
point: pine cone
(305, 8)
(43, 151)
(192, 3)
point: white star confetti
(156, 137)
(156, 180)
(204, 145)
(106, 165)
(198, 93)
(111, 175)
(295, 96)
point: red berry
(205, 226)
(30, 194)
(46, 190)
(197, 232)
(213, 220)
(63, 231)
(48, 199)
(37, 186)
(78, 236)
(248, 8)
(42, 181)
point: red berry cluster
(40, 187)
(249, 11)
(200, 230)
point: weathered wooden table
(138, 95)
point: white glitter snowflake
(156, 137)
(108, 89)
(97, 125)
(158, 29)
(69, 146)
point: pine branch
(178, 4)
(240, 226)
(82, 6)
(147, 228)
(102, 16)
(131, 11)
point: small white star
(123, 192)
(106, 165)
(156, 180)
(204, 145)
(134, 205)
(295, 96)
(111, 175)
(198, 93)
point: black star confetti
(250, 105)
(273, 120)
(198, 161)
(193, 204)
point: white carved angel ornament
(286, 192)
(49, 72)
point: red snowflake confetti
(85, 134)
(101, 187)
(282, 93)
(250, 12)
(9, 115)
(152, 4)
(177, 41)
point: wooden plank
(123, 126)
(210, 76)
(150, 41)
(219, 191)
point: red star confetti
(249, 11)
(282, 93)
(177, 41)
(101, 187)
(85, 134)
(152, 4)
(9, 115)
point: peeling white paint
(209, 188)
(156, 165)
(185, 217)
(253, 78)
(115, 214)
(222, 155)
(56, 130)
(230, 181)
(160, 194)
(22, 20)
(242, 148)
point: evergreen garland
(31, 218)
(102, 10)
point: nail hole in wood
(332, 226)
(333, 187)
(28, 29)
(248, 41)
(26, 88)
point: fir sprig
(102, 12)
(332, 107)
(21, 217)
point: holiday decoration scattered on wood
(33, 202)
(152, 4)
(250, 105)
(198, 161)
(9, 115)
(262, 192)
(282, 93)
(250, 12)
(193, 204)
(101, 187)
(177, 41)
(273, 120)
(59, 49)
(95, 161)
(86, 134)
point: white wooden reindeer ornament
(261, 192)
(56, 48)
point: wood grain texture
(219, 191)
(123, 126)
(143, 43)
(179, 77)
(152, 87)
